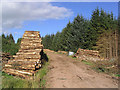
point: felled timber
(84, 54)
(48, 50)
(22, 73)
(63, 52)
(28, 58)
(5, 58)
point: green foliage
(9, 45)
(85, 34)
(88, 63)
(9, 81)
(56, 42)
(19, 41)
(117, 75)
(40, 75)
(65, 34)
(47, 41)
(79, 33)
(100, 23)
(73, 36)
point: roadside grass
(105, 66)
(73, 57)
(0, 80)
(39, 77)
(9, 81)
(86, 62)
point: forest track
(65, 72)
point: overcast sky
(47, 17)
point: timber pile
(84, 54)
(63, 52)
(28, 59)
(48, 50)
(5, 57)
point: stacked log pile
(28, 59)
(4, 58)
(84, 54)
(63, 52)
(48, 50)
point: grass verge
(86, 62)
(105, 66)
(9, 81)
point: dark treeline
(9, 45)
(98, 33)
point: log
(13, 71)
(26, 68)
(30, 44)
(25, 61)
(7, 65)
(27, 57)
(31, 50)
(31, 40)
(31, 47)
(27, 53)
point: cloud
(27, 0)
(14, 14)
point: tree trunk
(110, 47)
(116, 44)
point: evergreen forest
(99, 33)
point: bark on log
(27, 59)
(11, 71)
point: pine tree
(65, 35)
(11, 39)
(8, 44)
(56, 42)
(3, 36)
(79, 33)
(94, 28)
(99, 33)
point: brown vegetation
(107, 45)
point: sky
(47, 17)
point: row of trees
(98, 33)
(9, 45)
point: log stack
(5, 57)
(84, 54)
(63, 52)
(88, 52)
(48, 50)
(28, 59)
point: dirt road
(65, 72)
